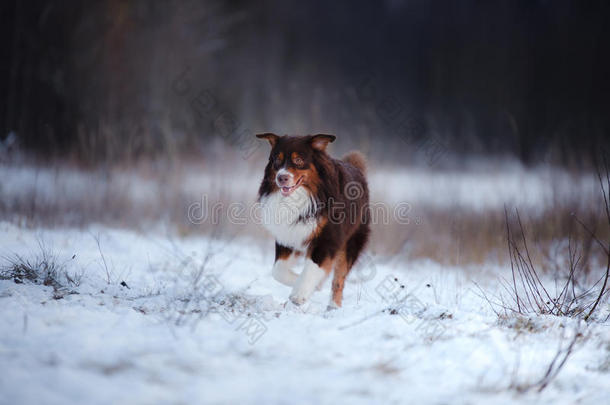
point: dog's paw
(297, 299)
(332, 305)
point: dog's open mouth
(286, 191)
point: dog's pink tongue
(286, 189)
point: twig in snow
(99, 248)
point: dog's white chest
(283, 217)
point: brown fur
(357, 159)
(341, 270)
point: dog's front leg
(285, 258)
(308, 280)
(282, 271)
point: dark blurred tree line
(116, 80)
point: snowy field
(146, 318)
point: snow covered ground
(152, 318)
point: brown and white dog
(317, 206)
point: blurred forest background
(118, 81)
(465, 109)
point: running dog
(317, 206)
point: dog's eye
(298, 161)
(278, 160)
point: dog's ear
(272, 138)
(320, 141)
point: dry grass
(574, 295)
(43, 268)
(462, 237)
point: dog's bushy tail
(357, 159)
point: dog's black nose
(283, 179)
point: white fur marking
(282, 271)
(307, 282)
(280, 216)
(321, 283)
(280, 172)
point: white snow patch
(154, 342)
